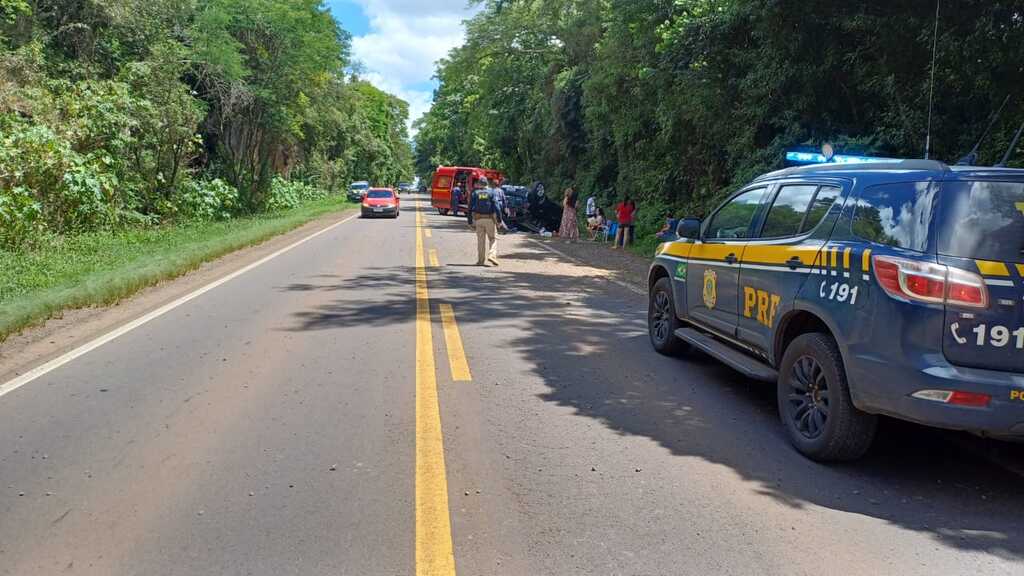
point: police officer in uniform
(484, 218)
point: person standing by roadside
(483, 217)
(625, 212)
(456, 199)
(499, 198)
(570, 229)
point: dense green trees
(677, 101)
(122, 111)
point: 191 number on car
(997, 336)
(838, 291)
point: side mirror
(688, 229)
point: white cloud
(406, 39)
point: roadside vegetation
(677, 102)
(102, 267)
(173, 129)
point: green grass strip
(103, 267)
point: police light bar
(818, 158)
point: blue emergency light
(819, 158)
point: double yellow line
(434, 554)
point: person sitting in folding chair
(598, 225)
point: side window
(786, 216)
(896, 214)
(732, 221)
(826, 197)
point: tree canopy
(675, 102)
(109, 109)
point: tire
(815, 405)
(662, 321)
(442, 211)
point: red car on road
(380, 202)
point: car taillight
(966, 289)
(930, 282)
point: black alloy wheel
(808, 397)
(815, 403)
(662, 322)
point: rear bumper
(884, 388)
(370, 213)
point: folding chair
(610, 229)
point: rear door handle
(794, 262)
(731, 258)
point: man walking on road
(483, 217)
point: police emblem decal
(710, 288)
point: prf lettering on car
(767, 305)
(828, 282)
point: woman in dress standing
(569, 229)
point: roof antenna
(931, 84)
(1013, 145)
(972, 156)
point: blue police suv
(861, 290)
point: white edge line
(63, 359)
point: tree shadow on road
(593, 356)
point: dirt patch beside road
(621, 265)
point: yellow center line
(453, 341)
(434, 555)
(433, 258)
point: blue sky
(351, 16)
(398, 41)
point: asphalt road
(286, 422)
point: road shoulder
(38, 344)
(621, 266)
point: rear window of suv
(898, 214)
(983, 220)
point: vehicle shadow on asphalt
(595, 359)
